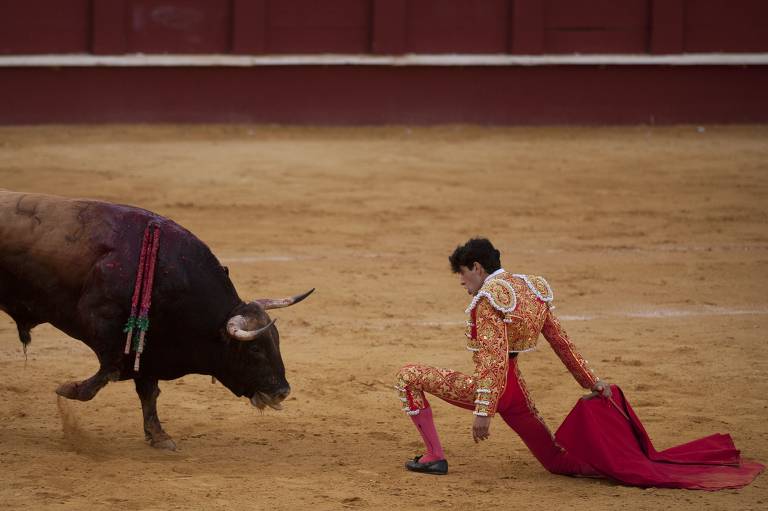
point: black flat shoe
(437, 467)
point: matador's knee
(408, 386)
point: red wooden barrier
(389, 33)
(667, 26)
(382, 26)
(109, 27)
(44, 26)
(181, 26)
(312, 26)
(726, 25)
(249, 26)
(595, 26)
(457, 26)
(387, 94)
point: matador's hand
(480, 428)
(602, 388)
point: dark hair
(476, 250)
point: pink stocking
(426, 427)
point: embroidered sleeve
(491, 358)
(558, 339)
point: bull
(72, 263)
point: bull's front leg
(85, 390)
(148, 391)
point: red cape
(597, 433)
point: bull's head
(256, 368)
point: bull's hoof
(164, 443)
(72, 390)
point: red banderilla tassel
(146, 301)
(131, 324)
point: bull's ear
(236, 329)
(278, 303)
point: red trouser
(515, 407)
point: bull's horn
(270, 303)
(235, 329)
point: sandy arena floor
(655, 241)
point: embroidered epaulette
(538, 285)
(499, 292)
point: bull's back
(42, 233)
(55, 250)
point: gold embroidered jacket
(506, 316)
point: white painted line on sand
(265, 258)
(645, 314)
(685, 313)
(258, 258)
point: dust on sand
(76, 437)
(654, 240)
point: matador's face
(472, 279)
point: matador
(507, 313)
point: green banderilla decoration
(129, 325)
(143, 325)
